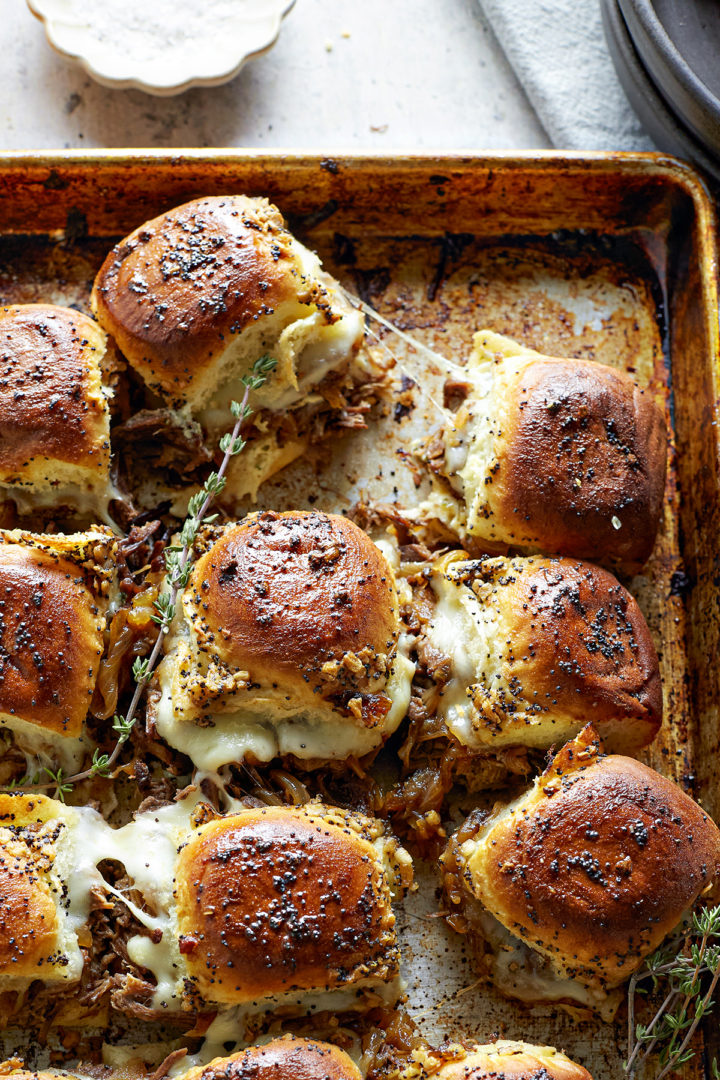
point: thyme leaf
(687, 971)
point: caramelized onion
(132, 633)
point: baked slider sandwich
(54, 414)
(564, 457)
(278, 908)
(288, 642)
(287, 1058)
(526, 651)
(47, 873)
(196, 296)
(502, 1060)
(567, 889)
(55, 591)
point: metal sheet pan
(608, 257)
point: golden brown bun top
(28, 913)
(294, 594)
(176, 290)
(605, 843)
(507, 1060)
(283, 898)
(51, 405)
(289, 1058)
(575, 638)
(49, 1074)
(20, 810)
(50, 639)
(582, 445)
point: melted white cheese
(229, 1030)
(272, 726)
(91, 505)
(467, 631)
(522, 973)
(470, 439)
(309, 348)
(469, 443)
(84, 843)
(148, 848)
(42, 747)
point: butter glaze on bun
(560, 456)
(277, 900)
(539, 648)
(504, 1060)
(600, 842)
(54, 593)
(290, 644)
(288, 1058)
(291, 592)
(194, 297)
(54, 417)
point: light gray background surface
(365, 74)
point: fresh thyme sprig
(687, 970)
(57, 780)
(178, 565)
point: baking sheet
(605, 258)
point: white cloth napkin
(557, 49)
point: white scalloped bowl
(161, 46)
